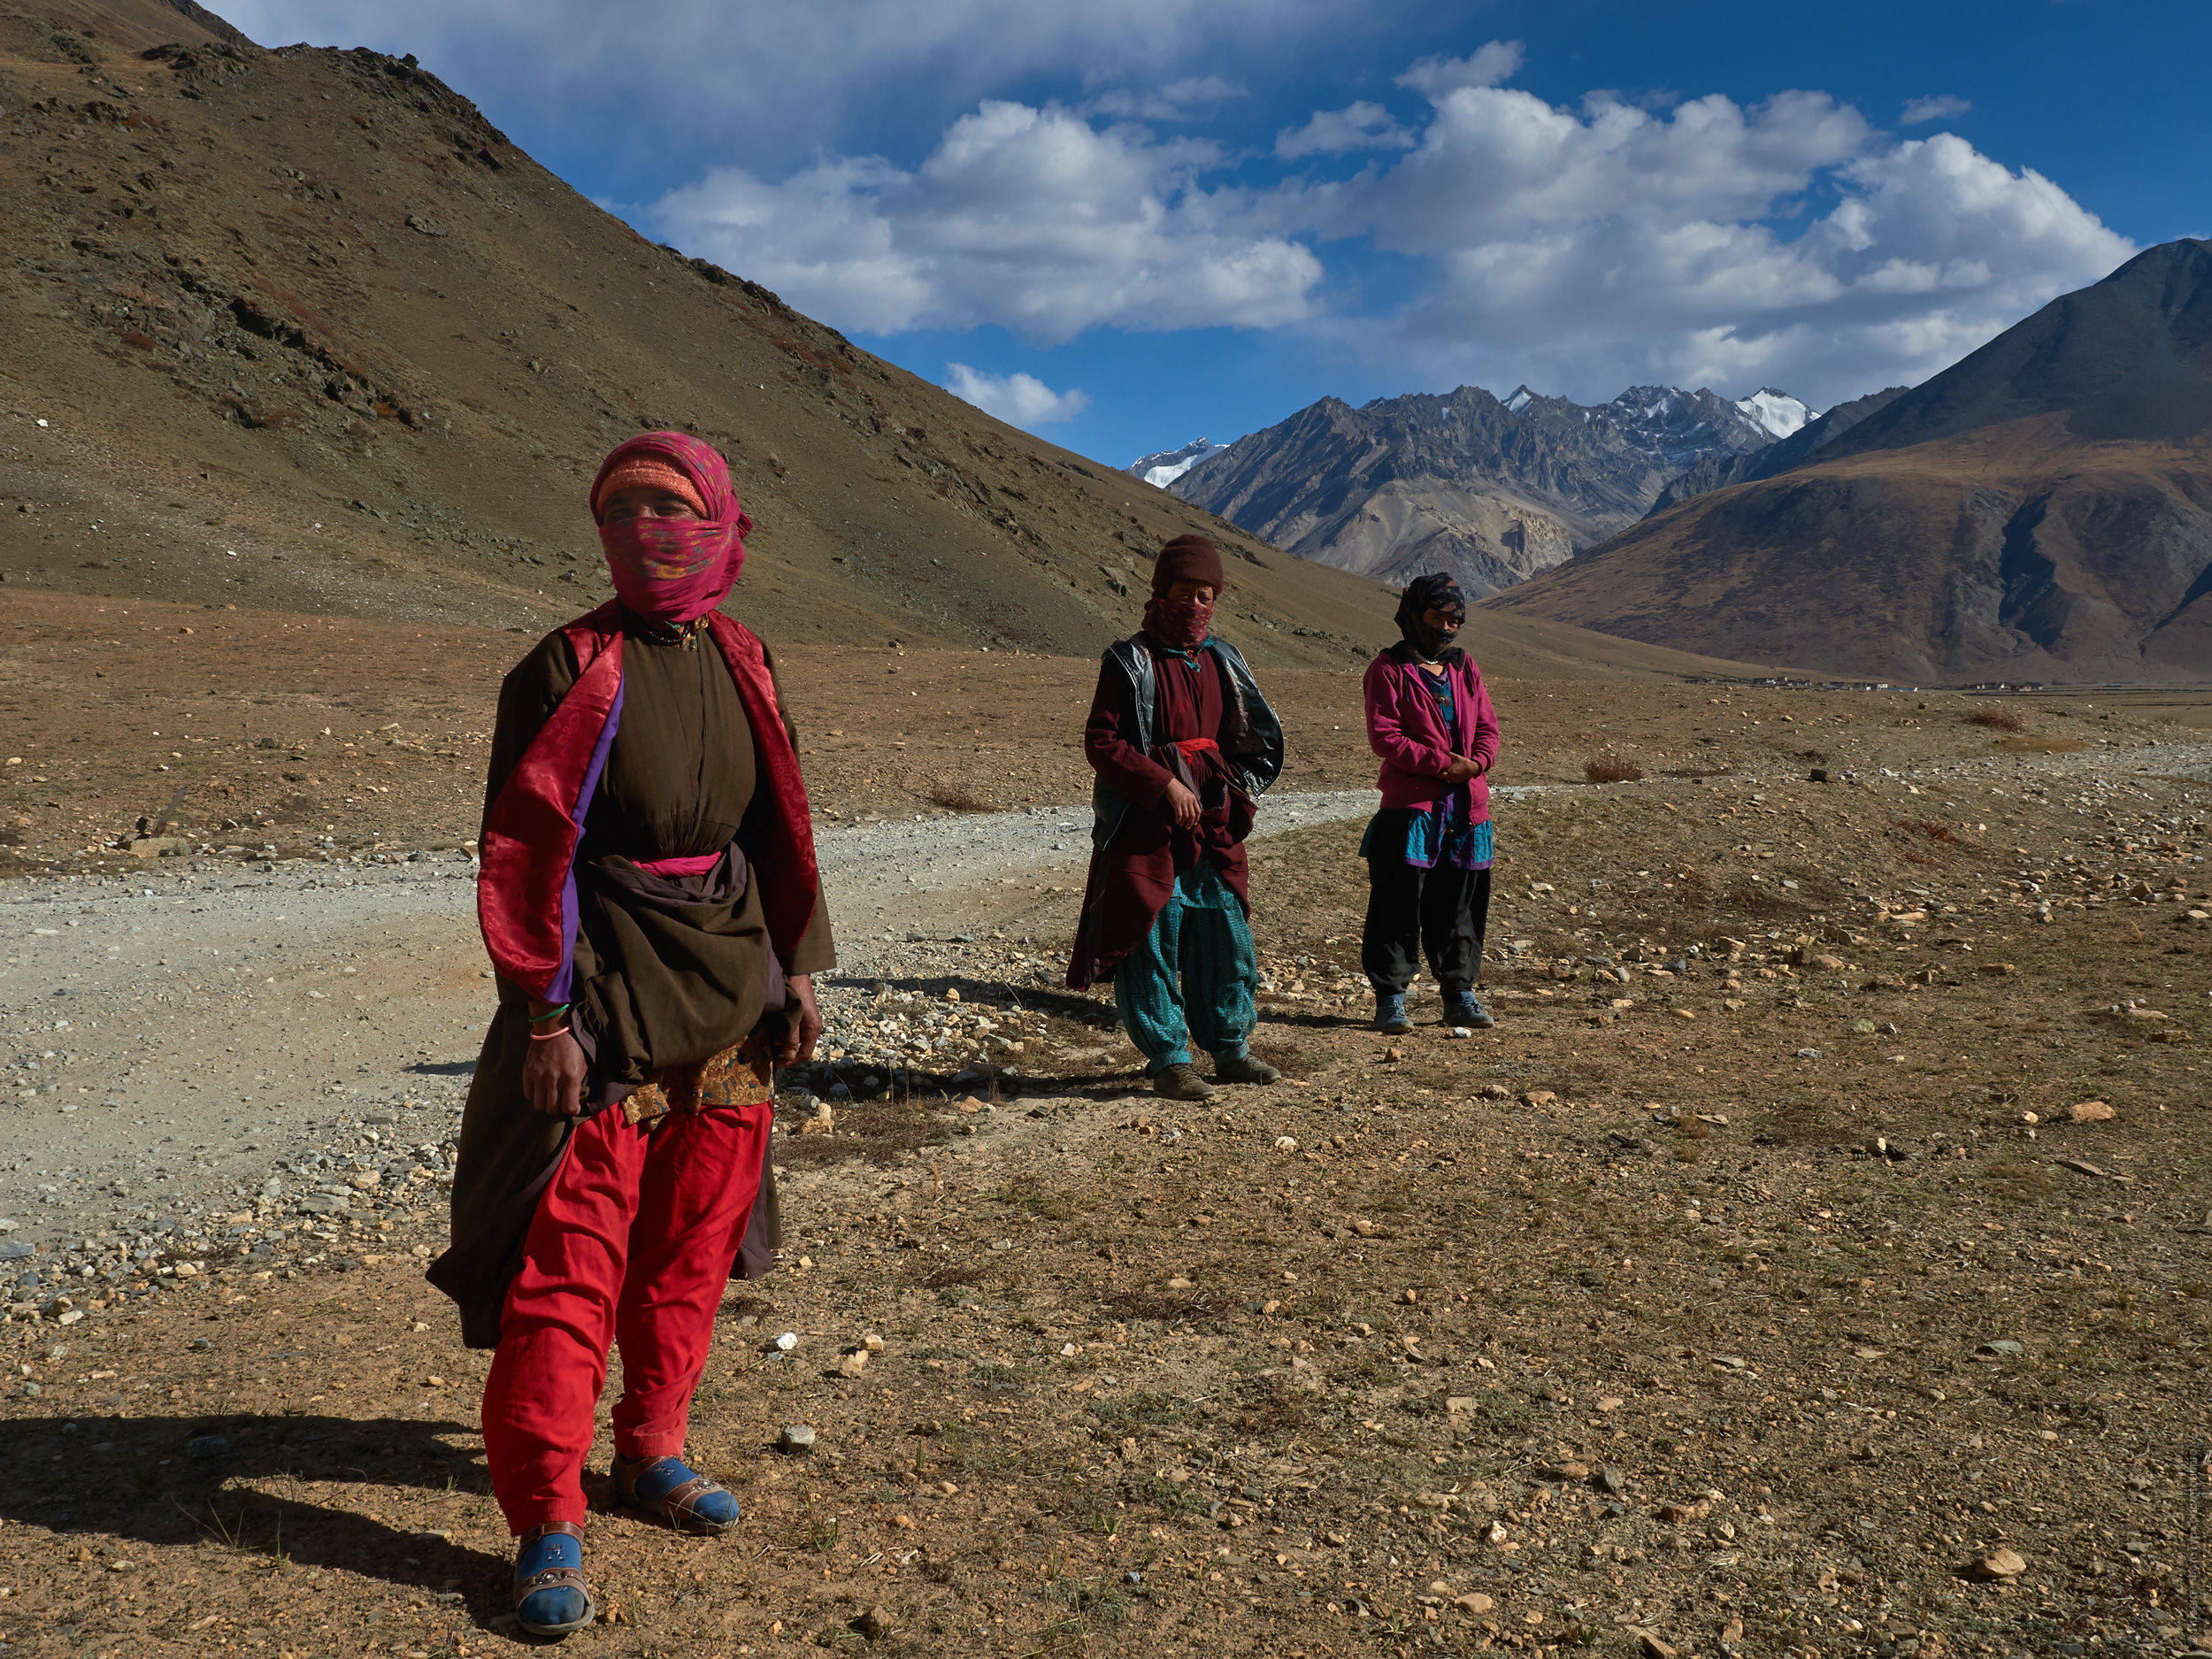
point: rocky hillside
(299, 330)
(1494, 491)
(2040, 511)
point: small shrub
(953, 798)
(1996, 718)
(1611, 769)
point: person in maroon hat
(1183, 744)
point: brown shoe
(1243, 1068)
(1181, 1082)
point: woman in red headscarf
(652, 904)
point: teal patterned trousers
(1193, 978)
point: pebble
(1540, 1097)
(852, 1364)
(1473, 1601)
(796, 1440)
(1286, 1143)
(205, 1447)
(2090, 1111)
(788, 1341)
(1807, 1054)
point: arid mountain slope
(1492, 491)
(298, 329)
(2040, 511)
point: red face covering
(676, 569)
(1181, 625)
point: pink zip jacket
(1406, 728)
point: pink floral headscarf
(676, 569)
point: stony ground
(1808, 1263)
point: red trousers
(632, 1243)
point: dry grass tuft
(1996, 718)
(955, 798)
(1611, 769)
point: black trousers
(1409, 908)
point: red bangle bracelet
(547, 1036)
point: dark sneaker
(1465, 1009)
(1242, 1068)
(1181, 1082)
(1390, 1013)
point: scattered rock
(788, 1341)
(205, 1447)
(854, 1363)
(2090, 1111)
(1540, 1097)
(1997, 1566)
(1653, 1648)
(1473, 1601)
(796, 1440)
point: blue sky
(1131, 222)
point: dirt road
(175, 1043)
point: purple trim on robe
(565, 979)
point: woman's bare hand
(1462, 769)
(1182, 805)
(553, 1076)
(798, 1042)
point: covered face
(1186, 580)
(1435, 592)
(671, 565)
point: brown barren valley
(1751, 1288)
(1810, 1263)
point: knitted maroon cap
(1187, 558)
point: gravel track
(177, 1044)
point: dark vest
(1251, 737)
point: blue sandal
(671, 1489)
(551, 1599)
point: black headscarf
(1435, 591)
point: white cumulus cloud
(1361, 126)
(1019, 400)
(1437, 77)
(1942, 108)
(1930, 250)
(1033, 219)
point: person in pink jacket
(1428, 849)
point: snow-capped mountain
(1164, 466)
(1777, 412)
(1495, 490)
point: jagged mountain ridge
(2042, 510)
(1495, 490)
(1716, 471)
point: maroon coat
(1132, 876)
